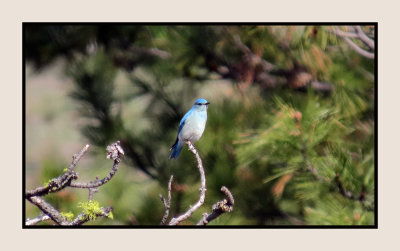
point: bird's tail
(176, 150)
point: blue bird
(191, 126)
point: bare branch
(231, 200)
(82, 218)
(92, 191)
(341, 33)
(167, 203)
(357, 34)
(187, 214)
(48, 209)
(226, 205)
(364, 38)
(114, 152)
(66, 179)
(76, 158)
(54, 185)
(358, 49)
(97, 182)
(41, 217)
(62, 181)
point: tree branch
(188, 213)
(92, 191)
(357, 34)
(114, 151)
(358, 49)
(61, 181)
(341, 33)
(76, 158)
(82, 218)
(364, 38)
(253, 58)
(48, 209)
(223, 206)
(41, 217)
(167, 203)
(97, 183)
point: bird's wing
(183, 120)
(181, 124)
(176, 142)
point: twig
(97, 182)
(48, 209)
(54, 185)
(364, 38)
(357, 34)
(358, 49)
(223, 206)
(61, 181)
(167, 203)
(41, 217)
(76, 158)
(341, 33)
(92, 191)
(114, 152)
(177, 220)
(82, 218)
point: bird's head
(201, 104)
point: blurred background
(290, 127)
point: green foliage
(333, 210)
(91, 209)
(312, 133)
(68, 215)
(289, 154)
(46, 183)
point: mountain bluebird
(191, 126)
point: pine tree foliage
(306, 149)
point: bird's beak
(207, 103)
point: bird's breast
(193, 128)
